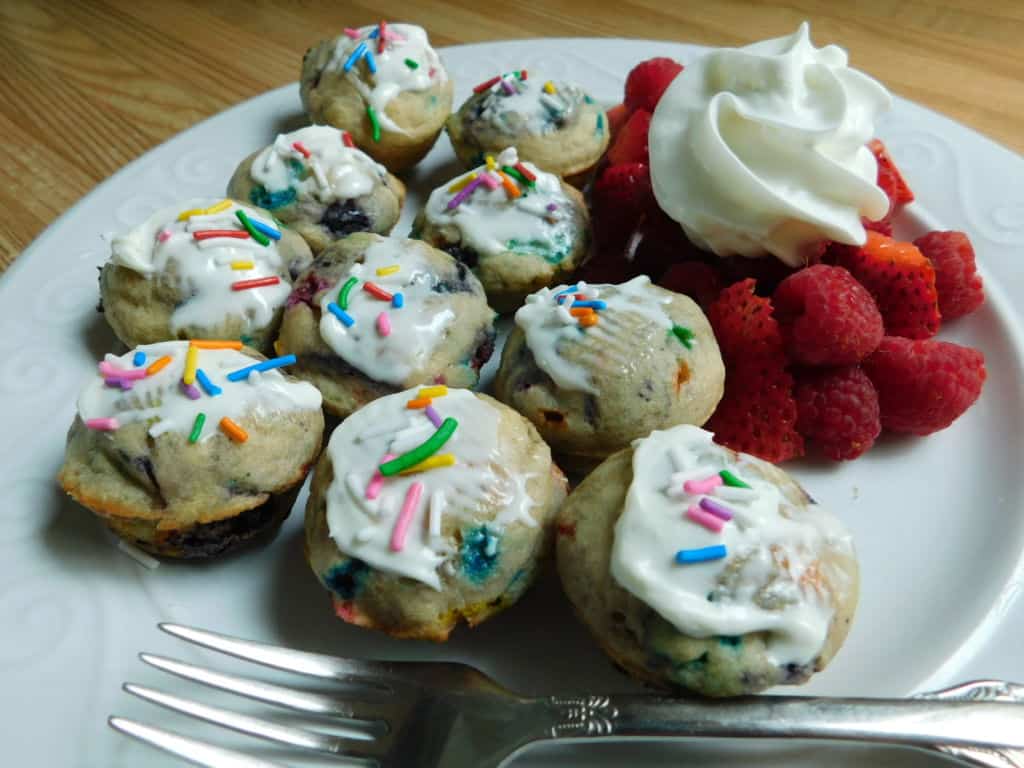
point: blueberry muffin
(553, 124)
(189, 450)
(596, 366)
(320, 185)
(201, 270)
(375, 315)
(518, 228)
(383, 84)
(430, 507)
(700, 569)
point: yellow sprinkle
(434, 462)
(549, 87)
(191, 361)
(461, 183)
(491, 165)
(277, 347)
(383, 271)
(184, 215)
(223, 205)
(242, 265)
(439, 390)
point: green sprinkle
(374, 122)
(587, 99)
(685, 335)
(517, 175)
(346, 289)
(411, 64)
(197, 427)
(600, 124)
(254, 233)
(731, 480)
(423, 451)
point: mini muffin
(596, 366)
(553, 124)
(699, 568)
(201, 270)
(320, 186)
(375, 315)
(517, 227)
(385, 85)
(191, 470)
(428, 507)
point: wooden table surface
(86, 86)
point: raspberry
(900, 278)
(757, 413)
(622, 195)
(695, 279)
(648, 80)
(956, 279)
(837, 409)
(889, 177)
(827, 317)
(924, 385)
(631, 140)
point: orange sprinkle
(588, 320)
(214, 344)
(232, 430)
(419, 402)
(581, 311)
(158, 365)
(509, 185)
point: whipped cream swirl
(761, 149)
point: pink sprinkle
(377, 481)
(383, 324)
(191, 390)
(718, 510)
(164, 235)
(412, 500)
(112, 371)
(353, 33)
(431, 72)
(710, 522)
(489, 181)
(103, 424)
(707, 485)
(434, 416)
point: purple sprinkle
(716, 509)
(465, 192)
(551, 207)
(507, 87)
(191, 390)
(115, 381)
(434, 416)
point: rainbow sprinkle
(463, 193)
(486, 84)
(353, 33)
(233, 430)
(158, 365)
(531, 177)
(418, 402)
(459, 185)
(382, 35)
(434, 462)
(720, 511)
(346, 139)
(595, 304)
(204, 381)
(240, 265)
(731, 480)
(373, 488)
(191, 391)
(102, 424)
(699, 516)
(354, 57)
(510, 187)
(259, 282)
(398, 301)
(266, 229)
(377, 292)
(412, 500)
(434, 416)
(209, 234)
(266, 365)
(346, 319)
(223, 205)
(685, 335)
(706, 485)
(438, 390)
(301, 148)
(702, 555)
(371, 62)
(374, 123)
(191, 360)
(346, 289)
(489, 181)
(389, 270)
(426, 449)
(254, 233)
(383, 324)
(139, 358)
(411, 64)
(215, 344)
(549, 87)
(197, 427)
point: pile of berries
(818, 359)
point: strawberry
(648, 80)
(956, 277)
(744, 324)
(616, 117)
(889, 177)
(631, 141)
(902, 281)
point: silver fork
(404, 713)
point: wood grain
(87, 86)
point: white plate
(938, 521)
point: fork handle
(909, 722)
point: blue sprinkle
(373, 35)
(591, 304)
(139, 359)
(588, 99)
(347, 580)
(265, 199)
(702, 555)
(266, 365)
(357, 54)
(341, 314)
(398, 301)
(479, 552)
(371, 63)
(266, 229)
(571, 289)
(204, 381)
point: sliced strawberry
(648, 80)
(889, 177)
(616, 117)
(631, 141)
